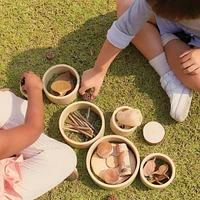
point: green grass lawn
(74, 31)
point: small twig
(88, 113)
(90, 125)
(70, 135)
(72, 118)
(79, 131)
(78, 120)
(79, 128)
(70, 122)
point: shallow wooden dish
(76, 106)
(164, 158)
(57, 69)
(112, 139)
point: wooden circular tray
(100, 165)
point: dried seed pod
(149, 167)
(49, 56)
(161, 177)
(112, 197)
(87, 96)
(111, 176)
(104, 149)
(129, 117)
(162, 169)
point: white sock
(160, 64)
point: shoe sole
(183, 106)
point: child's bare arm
(93, 78)
(16, 139)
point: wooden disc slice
(111, 176)
(153, 132)
(99, 164)
(112, 161)
(104, 149)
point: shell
(129, 117)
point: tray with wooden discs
(112, 162)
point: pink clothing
(39, 171)
(10, 174)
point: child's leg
(148, 42)
(173, 50)
(13, 110)
(47, 163)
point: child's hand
(31, 81)
(190, 61)
(91, 79)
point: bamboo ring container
(112, 139)
(74, 107)
(115, 127)
(57, 69)
(164, 158)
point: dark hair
(176, 10)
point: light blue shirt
(125, 28)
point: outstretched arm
(16, 139)
(93, 78)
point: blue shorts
(166, 26)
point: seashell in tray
(129, 117)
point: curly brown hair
(176, 10)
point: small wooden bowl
(164, 158)
(23, 92)
(114, 126)
(112, 139)
(58, 69)
(74, 107)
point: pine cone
(87, 97)
(112, 197)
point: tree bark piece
(123, 159)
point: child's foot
(73, 176)
(180, 96)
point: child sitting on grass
(31, 163)
(151, 26)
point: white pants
(47, 162)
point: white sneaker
(180, 96)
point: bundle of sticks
(79, 124)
